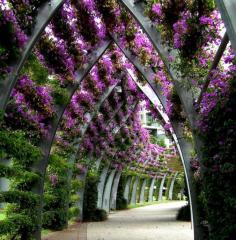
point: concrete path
(155, 222)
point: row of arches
(184, 146)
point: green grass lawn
(147, 204)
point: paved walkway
(155, 222)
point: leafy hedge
(21, 220)
(121, 202)
(219, 171)
(90, 210)
(56, 196)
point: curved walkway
(144, 223)
(155, 222)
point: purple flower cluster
(31, 103)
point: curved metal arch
(134, 191)
(142, 191)
(114, 190)
(105, 169)
(127, 188)
(161, 187)
(101, 186)
(103, 176)
(83, 176)
(72, 159)
(98, 162)
(46, 144)
(227, 9)
(214, 65)
(45, 14)
(170, 195)
(146, 72)
(151, 190)
(107, 191)
(185, 96)
(184, 148)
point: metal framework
(134, 191)
(45, 14)
(184, 147)
(170, 194)
(187, 101)
(151, 190)
(227, 9)
(127, 188)
(142, 191)
(214, 65)
(107, 191)
(114, 190)
(104, 173)
(46, 144)
(161, 187)
(147, 73)
(101, 185)
(83, 176)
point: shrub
(184, 213)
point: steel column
(127, 188)
(142, 192)
(134, 191)
(107, 191)
(170, 196)
(114, 191)
(80, 193)
(151, 189)
(161, 187)
(101, 185)
(228, 9)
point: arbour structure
(89, 68)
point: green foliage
(91, 213)
(179, 184)
(184, 213)
(218, 191)
(9, 50)
(6, 171)
(74, 198)
(99, 215)
(60, 94)
(158, 141)
(73, 212)
(13, 224)
(14, 145)
(35, 70)
(56, 196)
(121, 203)
(55, 219)
(76, 184)
(158, 184)
(146, 192)
(19, 155)
(168, 185)
(24, 199)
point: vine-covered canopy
(74, 78)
